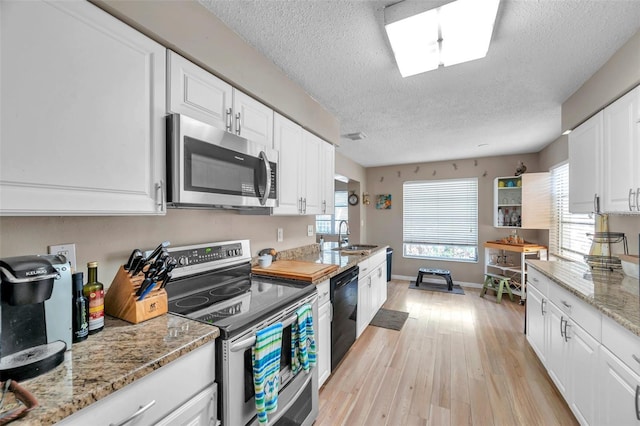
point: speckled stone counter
(326, 255)
(612, 293)
(110, 360)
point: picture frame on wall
(383, 201)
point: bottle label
(96, 310)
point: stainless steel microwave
(209, 167)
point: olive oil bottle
(94, 292)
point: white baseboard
(436, 281)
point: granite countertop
(612, 293)
(110, 360)
(326, 255)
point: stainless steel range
(213, 284)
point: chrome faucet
(340, 231)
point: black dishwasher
(344, 300)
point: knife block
(121, 300)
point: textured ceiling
(337, 50)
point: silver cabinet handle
(238, 125)
(637, 403)
(534, 279)
(305, 206)
(631, 202)
(636, 358)
(300, 205)
(566, 335)
(543, 306)
(229, 119)
(138, 413)
(566, 304)
(561, 329)
(160, 187)
(596, 203)
(638, 199)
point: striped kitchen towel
(303, 343)
(266, 370)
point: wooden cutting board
(295, 269)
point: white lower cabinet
(324, 332)
(365, 305)
(372, 289)
(565, 334)
(198, 411)
(618, 391)
(181, 392)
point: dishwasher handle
(345, 278)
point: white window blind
(440, 219)
(568, 232)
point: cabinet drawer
(378, 258)
(365, 267)
(624, 344)
(323, 292)
(169, 386)
(580, 312)
(538, 280)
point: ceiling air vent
(355, 136)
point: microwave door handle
(267, 170)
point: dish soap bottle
(94, 291)
(80, 309)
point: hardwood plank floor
(458, 360)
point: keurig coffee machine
(35, 314)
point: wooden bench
(444, 273)
(498, 283)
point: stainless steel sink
(362, 249)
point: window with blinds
(568, 232)
(440, 219)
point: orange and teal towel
(303, 343)
(266, 370)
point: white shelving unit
(498, 260)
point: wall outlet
(67, 250)
(280, 235)
(309, 230)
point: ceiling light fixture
(358, 136)
(452, 33)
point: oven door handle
(250, 341)
(286, 408)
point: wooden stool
(444, 273)
(497, 283)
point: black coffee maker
(35, 314)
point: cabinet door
(82, 112)
(288, 141)
(582, 362)
(537, 322)
(198, 411)
(621, 148)
(618, 392)
(328, 178)
(253, 120)
(585, 165)
(536, 201)
(324, 342)
(196, 92)
(556, 348)
(364, 304)
(312, 155)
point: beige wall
(357, 183)
(188, 28)
(385, 226)
(109, 240)
(620, 74)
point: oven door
(211, 167)
(297, 396)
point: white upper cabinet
(312, 173)
(621, 154)
(522, 201)
(82, 112)
(288, 142)
(585, 165)
(327, 168)
(196, 92)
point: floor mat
(387, 318)
(436, 287)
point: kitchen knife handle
(146, 291)
(138, 413)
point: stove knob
(183, 261)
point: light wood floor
(458, 360)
